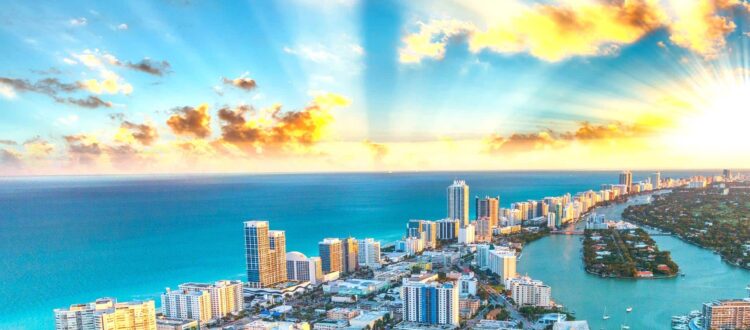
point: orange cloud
(191, 121)
(379, 151)
(560, 30)
(145, 134)
(276, 131)
(242, 82)
(585, 133)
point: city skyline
(194, 87)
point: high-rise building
(226, 296)
(483, 230)
(303, 269)
(186, 304)
(727, 174)
(107, 314)
(727, 314)
(369, 253)
(424, 229)
(430, 303)
(656, 180)
(626, 178)
(502, 263)
(458, 202)
(331, 255)
(350, 254)
(265, 252)
(447, 229)
(528, 292)
(488, 207)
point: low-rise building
(367, 320)
(331, 325)
(176, 324)
(357, 287)
(340, 313)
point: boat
(680, 327)
(629, 309)
(624, 327)
(605, 316)
(695, 313)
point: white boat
(695, 313)
(605, 316)
(629, 309)
(625, 327)
(680, 327)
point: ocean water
(66, 240)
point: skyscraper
(430, 303)
(350, 254)
(626, 178)
(369, 252)
(656, 180)
(265, 253)
(331, 255)
(458, 202)
(488, 207)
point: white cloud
(81, 21)
(122, 27)
(7, 91)
(67, 120)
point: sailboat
(605, 316)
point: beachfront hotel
(303, 269)
(107, 314)
(349, 255)
(458, 202)
(528, 292)
(186, 304)
(488, 207)
(330, 250)
(502, 262)
(265, 252)
(225, 296)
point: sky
(134, 87)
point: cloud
(699, 27)
(83, 149)
(241, 82)
(38, 148)
(122, 27)
(51, 87)
(91, 102)
(8, 142)
(585, 133)
(379, 151)
(191, 121)
(560, 30)
(110, 82)
(148, 66)
(80, 21)
(275, 131)
(10, 158)
(144, 134)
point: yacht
(629, 309)
(605, 316)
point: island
(715, 217)
(625, 253)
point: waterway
(557, 261)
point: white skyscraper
(458, 202)
(503, 263)
(369, 253)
